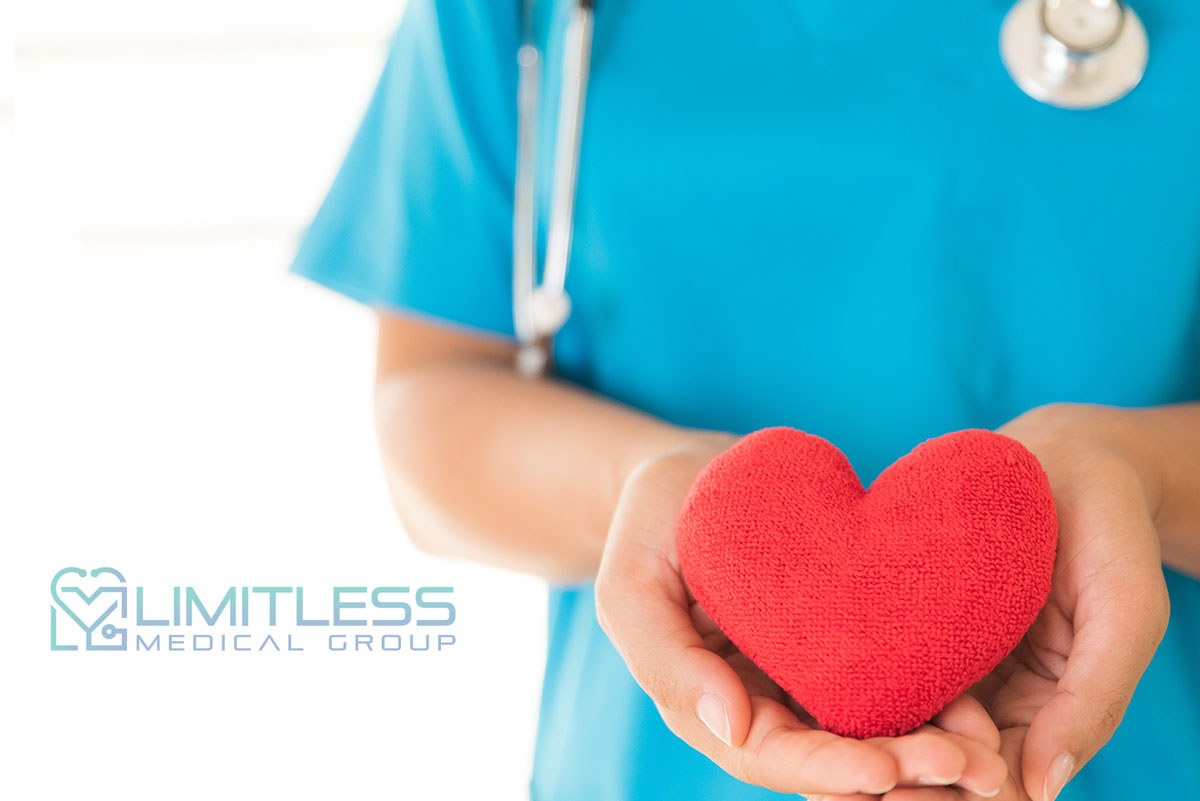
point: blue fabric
(844, 218)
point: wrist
(678, 450)
(1134, 438)
(1129, 435)
(674, 456)
(1164, 443)
(1077, 441)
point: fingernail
(1061, 768)
(711, 710)
(938, 779)
(992, 794)
(989, 794)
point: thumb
(1118, 625)
(642, 605)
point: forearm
(485, 465)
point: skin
(540, 476)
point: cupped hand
(1060, 695)
(717, 701)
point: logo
(97, 611)
(98, 603)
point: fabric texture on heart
(872, 608)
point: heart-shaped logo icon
(95, 601)
(872, 608)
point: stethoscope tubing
(540, 309)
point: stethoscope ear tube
(539, 310)
(524, 220)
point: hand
(718, 702)
(1060, 695)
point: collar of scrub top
(539, 310)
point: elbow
(420, 533)
(449, 496)
(405, 430)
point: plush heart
(872, 608)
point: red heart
(873, 609)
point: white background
(177, 407)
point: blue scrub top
(844, 218)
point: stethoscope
(1073, 54)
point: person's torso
(851, 221)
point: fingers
(960, 748)
(1011, 788)
(985, 772)
(965, 716)
(782, 754)
(925, 757)
(1120, 615)
(929, 757)
(641, 605)
(966, 719)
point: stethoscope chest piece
(1075, 54)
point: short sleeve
(419, 218)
